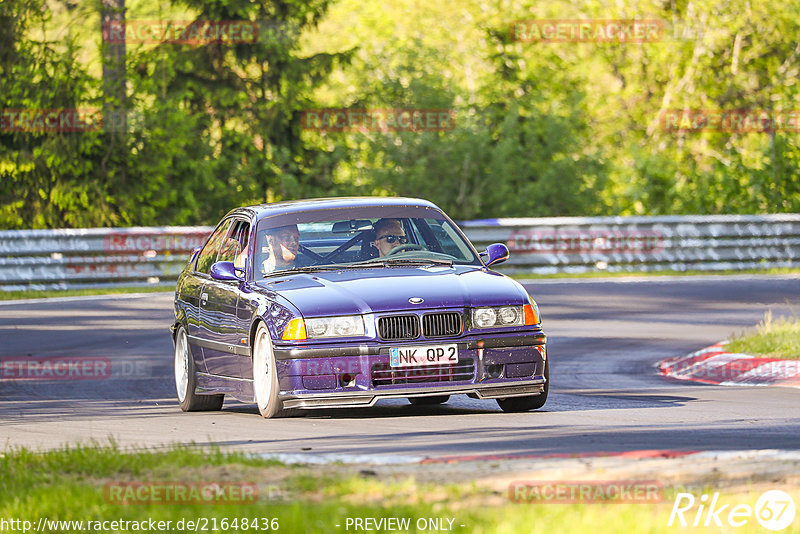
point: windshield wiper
(402, 261)
(306, 269)
(369, 263)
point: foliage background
(541, 128)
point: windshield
(358, 237)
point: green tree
(46, 179)
(239, 106)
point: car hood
(387, 289)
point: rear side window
(208, 255)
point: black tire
(427, 401)
(186, 384)
(524, 404)
(265, 376)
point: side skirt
(240, 389)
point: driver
(283, 244)
(389, 234)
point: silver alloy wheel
(181, 364)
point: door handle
(203, 298)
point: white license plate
(423, 355)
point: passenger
(283, 243)
(389, 234)
(240, 259)
(242, 249)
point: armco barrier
(81, 258)
(63, 259)
(639, 244)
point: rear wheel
(524, 404)
(186, 380)
(425, 401)
(265, 376)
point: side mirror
(225, 271)
(494, 254)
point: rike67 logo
(774, 510)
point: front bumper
(369, 398)
(339, 376)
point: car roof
(258, 211)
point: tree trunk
(115, 102)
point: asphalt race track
(604, 337)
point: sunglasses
(391, 239)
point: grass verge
(50, 293)
(73, 485)
(774, 338)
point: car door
(226, 336)
(197, 330)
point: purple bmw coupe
(341, 302)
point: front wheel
(265, 376)
(186, 380)
(524, 404)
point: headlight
(498, 316)
(509, 315)
(344, 326)
(484, 317)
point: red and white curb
(714, 365)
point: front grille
(385, 375)
(398, 327)
(441, 324)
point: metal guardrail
(95, 257)
(641, 244)
(67, 259)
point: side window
(442, 237)
(208, 255)
(427, 235)
(234, 247)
